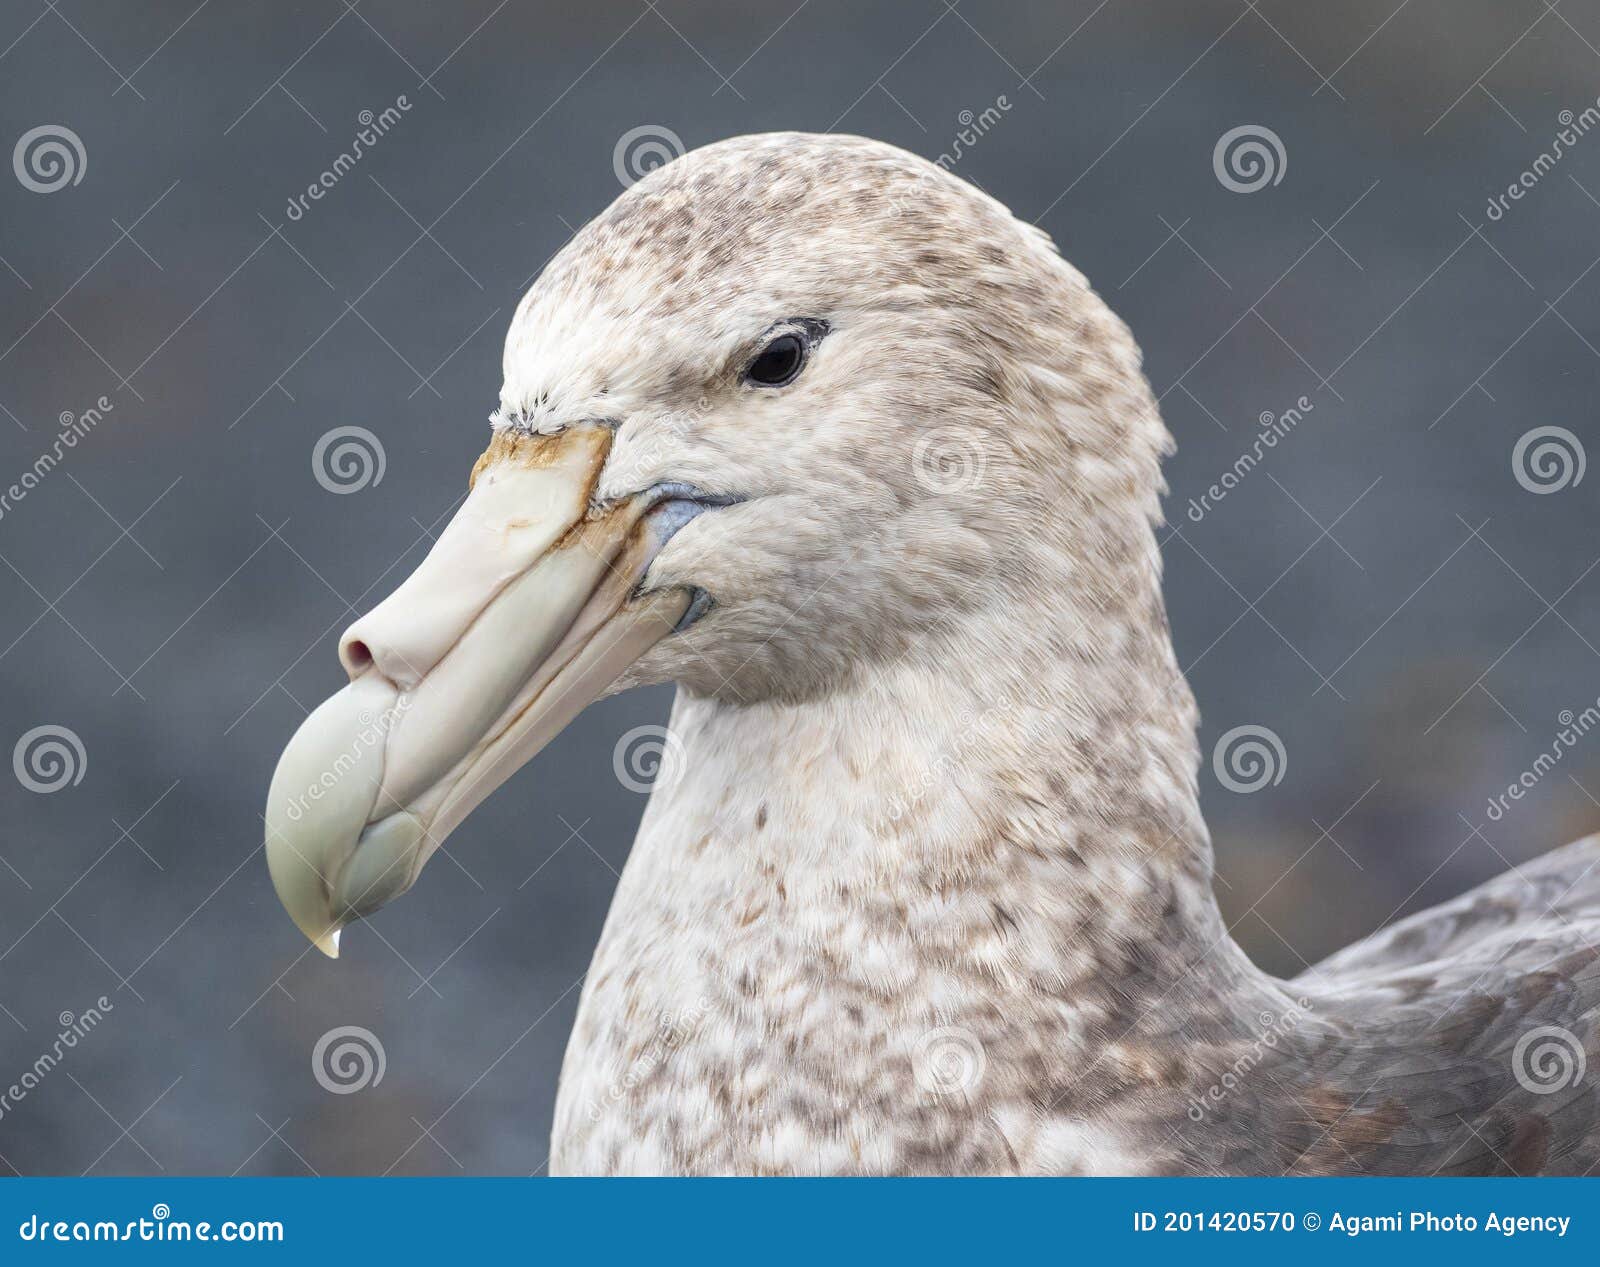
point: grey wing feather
(1462, 1040)
(1563, 884)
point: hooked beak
(524, 611)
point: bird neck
(985, 855)
(1019, 789)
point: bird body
(923, 886)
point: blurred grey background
(1382, 592)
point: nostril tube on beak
(355, 655)
(524, 610)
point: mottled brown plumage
(924, 886)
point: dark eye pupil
(778, 362)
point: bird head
(787, 402)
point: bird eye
(777, 364)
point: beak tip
(321, 933)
